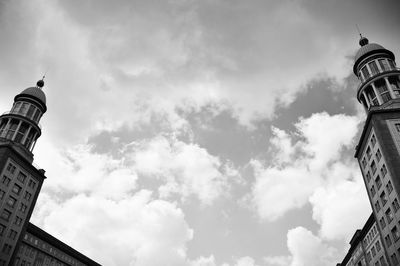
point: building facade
(20, 181)
(378, 152)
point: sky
(197, 132)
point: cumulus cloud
(308, 249)
(138, 230)
(304, 162)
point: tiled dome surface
(366, 49)
(35, 92)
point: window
(382, 222)
(2, 193)
(373, 140)
(21, 177)
(388, 241)
(397, 125)
(382, 261)
(378, 182)
(389, 215)
(11, 202)
(391, 64)
(2, 229)
(395, 234)
(383, 198)
(395, 205)
(17, 189)
(6, 215)
(369, 153)
(22, 207)
(6, 249)
(31, 111)
(383, 90)
(11, 168)
(368, 175)
(373, 251)
(369, 256)
(378, 155)
(389, 187)
(5, 180)
(18, 220)
(12, 234)
(364, 162)
(365, 72)
(27, 195)
(373, 167)
(372, 189)
(378, 246)
(383, 170)
(384, 64)
(394, 259)
(374, 68)
(377, 206)
(31, 184)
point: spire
(40, 83)
(363, 41)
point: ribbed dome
(367, 49)
(35, 92)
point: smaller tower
(21, 125)
(376, 69)
(20, 181)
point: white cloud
(134, 231)
(301, 165)
(185, 169)
(309, 250)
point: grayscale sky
(197, 132)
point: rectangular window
(373, 251)
(365, 72)
(11, 202)
(384, 64)
(395, 234)
(22, 208)
(12, 234)
(394, 259)
(382, 222)
(368, 175)
(373, 167)
(27, 195)
(17, 189)
(389, 187)
(6, 214)
(382, 261)
(389, 215)
(6, 249)
(372, 191)
(32, 184)
(395, 205)
(373, 140)
(2, 229)
(21, 177)
(397, 125)
(378, 182)
(5, 180)
(374, 68)
(18, 221)
(388, 241)
(378, 155)
(378, 246)
(377, 206)
(2, 193)
(383, 170)
(369, 153)
(364, 162)
(11, 168)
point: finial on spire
(363, 41)
(40, 83)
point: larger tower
(378, 150)
(20, 181)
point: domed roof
(35, 92)
(367, 49)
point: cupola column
(366, 100)
(17, 130)
(390, 88)
(377, 94)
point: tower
(20, 181)
(378, 150)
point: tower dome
(36, 93)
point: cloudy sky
(197, 132)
